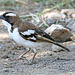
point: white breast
(17, 38)
(8, 27)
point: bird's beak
(1, 17)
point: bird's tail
(59, 45)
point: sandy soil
(60, 63)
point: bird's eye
(7, 18)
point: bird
(26, 34)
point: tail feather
(59, 45)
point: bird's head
(9, 18)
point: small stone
(5, 70)
(73, 16)
(59, 33)
(72, 47)
(54, 15)
(5, 56)
(71, 26)
(50, 21)
(13, 53)
(23, 48)
(68, 12)
(1, 46)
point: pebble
(1, 46)
(23, 48)
(72, 47)
(58, 32)
(50, 21)
(13, 53)
(5, 70)
(5, 56)
(71, 26)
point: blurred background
(25, 6)
(42, 13)
(38, 7)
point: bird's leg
(29, 63)
(23, 54)
(35, 52)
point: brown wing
(25, 26)
(30, 32)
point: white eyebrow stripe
(10, 14)
(29, 32)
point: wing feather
(30, 32)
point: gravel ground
(60, 63)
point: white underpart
(29, 32)
(8, 27)
(10, 14)
(6, 24)
(18, 39)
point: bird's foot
(20, 58)
(30, 62)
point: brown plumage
(27, 31)
(44, 37)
